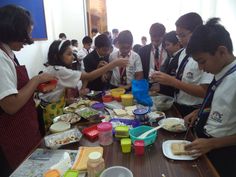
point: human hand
(199, 147)
(123, 62)
(162, 78)
(191, 118)
(106, 77)
(44, 77)
(101, 64)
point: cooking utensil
(149, 131)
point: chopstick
(186, 134)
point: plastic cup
(116, 171)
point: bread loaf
(178, 149)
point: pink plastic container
(105, 133)
(139, 147)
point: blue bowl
(135, 132)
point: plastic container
(135, 132)
(117, 92)
(107, 98)
(125, 145)
(139, 147)
(91, 132)
(59, 126)
(71, 173)
(105, 136)
(52, 173)
(47, 86)
(162, 102)
(122, 131)
(98, 106)
(127, 99)
(116, 171)
(141, 114)
(88, 113)
(95, 164)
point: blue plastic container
(135, 132)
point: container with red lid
(139, 147)
(91, 132)
(105, 133)
(47, 86)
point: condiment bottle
(95, 164)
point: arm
(100, 71)
(192, 89)
(13, 103)
(201, 146)
(139, 75)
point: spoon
(149, 131)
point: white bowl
(116, 171)
(162, 102)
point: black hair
(137, 47)
(115, 41)
(189, 21)
(102, 41)
(73, 42)
(115, 30)
(87, 40)
(15, 23)
(61, 35)
(56, 51)
(157, 29)
(143, 38)
(208, 37)
(94, 30)
(125, 37)
(171, 37)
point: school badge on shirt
(189, 75)
(216, 116)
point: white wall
(61, 16)
(138, 15)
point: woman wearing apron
(19, 131)
(211, 46)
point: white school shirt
(67, 78)
(82, 53)
(222, 118)
(133, 66)
(162, 54)
(8, 76)
(191, 75)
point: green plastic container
(71, 173)
(135, 132)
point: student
(62, 36)
(83, 52)
(75, 45)
(211, 47)
(115, 33)
(153, 55)
(60, 57)
(95, 33)
(136, 48)
(144, 40)
(190, 82)
(173, 48)
(122, 76)
(19, 129)
(97, 58)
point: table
(153, 163)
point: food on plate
(69, 118)
(120, 112)
(87, 112)
(173, 124)
(178, 148)
(78, 105)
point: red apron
(19, 133)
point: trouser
(185, 109)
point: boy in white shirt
(211, 47)
(122, 76)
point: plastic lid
(94, 156)
(59, 127)
(125, 141)
(140, 111)
(71, 173)
(127, 96)
(104, 126)
(52, 173)
(139, 142)
(98, 106)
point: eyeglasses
(182, 35)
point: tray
(88, 113)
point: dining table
(153, 163)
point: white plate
(166, 148)
(169, 124)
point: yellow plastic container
(127, 99)
(117, 92)
(125, 145)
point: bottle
(95, 164)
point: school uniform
(149, 63)
(53, 102)
(217, 118)
(19, 133)
(129, 71)
(188, 72)
(82, 53)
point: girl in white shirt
(60, 57)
